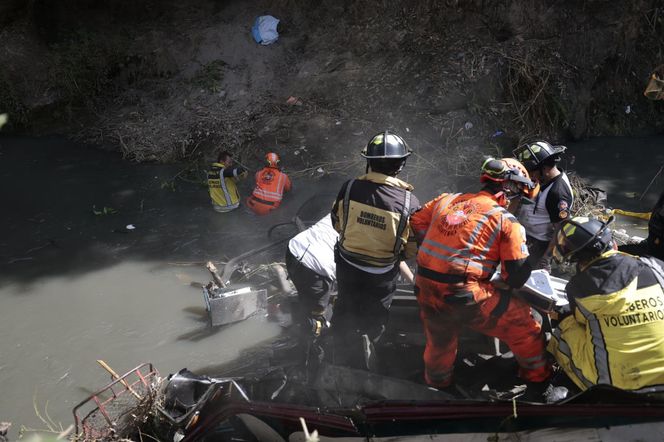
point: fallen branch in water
(327, 168)
(651, 181)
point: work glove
(560, 312)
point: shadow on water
(51, 189)
(624, 167)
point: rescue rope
(641, 215)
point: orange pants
(258, 207)
(443, 320)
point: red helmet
(272, 159)
(511, 174)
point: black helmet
(581, 238)
(534, 154)
(386, 145)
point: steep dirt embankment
(170, 81)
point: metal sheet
(233, 306)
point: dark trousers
(538, 257)
(362, 307)
(313, 292)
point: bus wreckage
(276, 392)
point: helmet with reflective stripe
(511, 174)
(581, 238)
(272, 159)
(386, 145)
(534, 154)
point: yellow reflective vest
(372, 215)
(223, 188)
(616, 333)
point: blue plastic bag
(264, 30)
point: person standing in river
(222, 183)
(271, 184)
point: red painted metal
(103, 401)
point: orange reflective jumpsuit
(271, 183)
(464, 238)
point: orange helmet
(511, 174)
(272, 159)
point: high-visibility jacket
(372, 215)
(616, 333)
(223, 188)
(271, 183)
(463, 239)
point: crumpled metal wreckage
(264, 393)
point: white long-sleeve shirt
(314, 247)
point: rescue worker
(463, 238)
(271, 184)
(372, 215)
(655, 238)
(310, 265)
(552, 204)
(653, 245)
(311, 268)
(612, 333)
(222, 183)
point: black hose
(271, 229)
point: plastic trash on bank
(655, 88)
(264, 30)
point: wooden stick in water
(116, 376)
(215, 274)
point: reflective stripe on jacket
(372, 215)
(271, 183)
(463, 239)
(223, 189)
(616, 334)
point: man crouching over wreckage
(611, 332)
(372, 216)
(463, 238)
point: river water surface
(76, 287)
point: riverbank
(174, 82)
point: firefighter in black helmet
(553, 202)
(613, 330)
(372, 215)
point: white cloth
(314, 248)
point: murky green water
(76, 287)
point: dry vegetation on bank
(457, 78)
